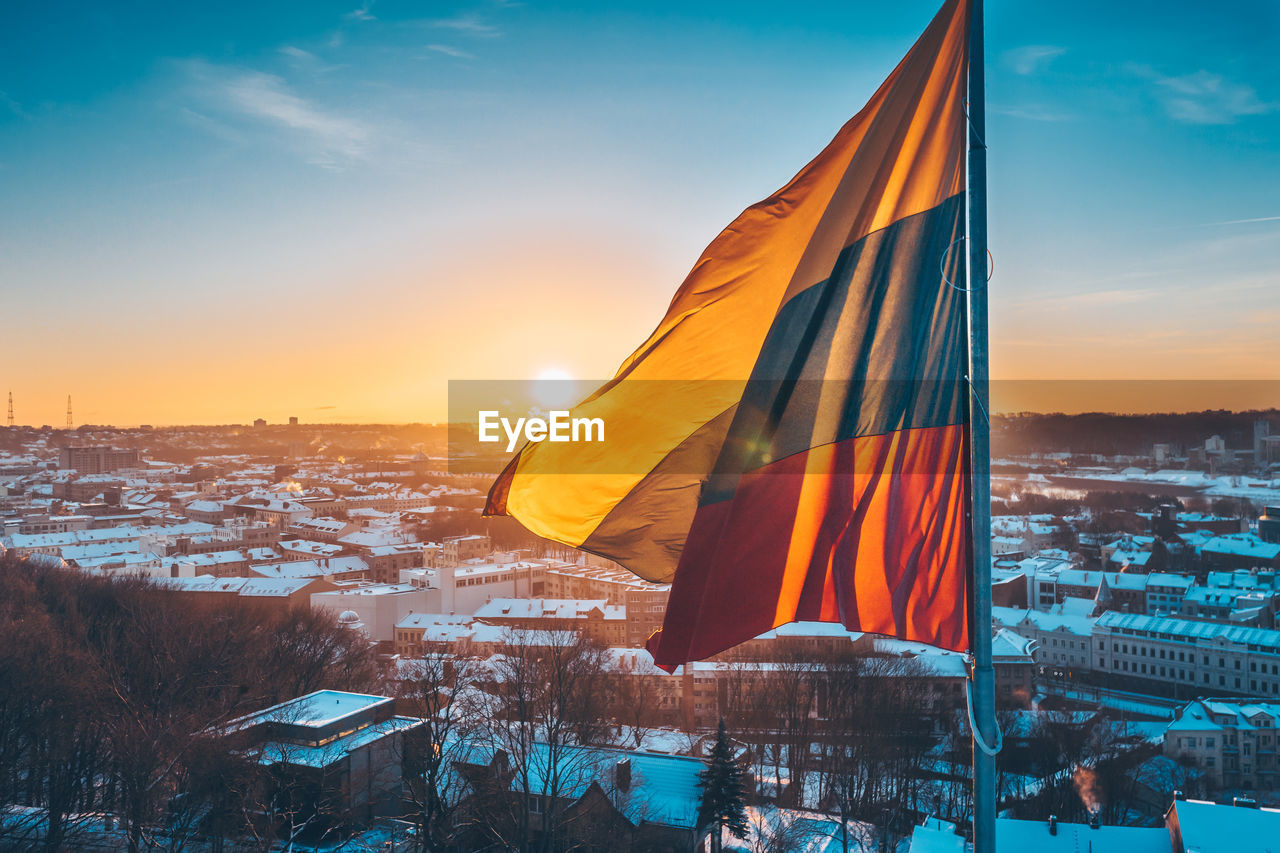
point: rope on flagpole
(977, 398)
(942, 266)
(982, 143)
(973, 725)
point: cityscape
(1136, 649)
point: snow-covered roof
(312, 568)
(1115, 580)
(548, 608)
(1027, 835)
(664, 788)
(1211, 828)
(936, 836)
(1242, 545)
(1008, 645)
(1188, 629)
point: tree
(441, 690)
(547, 688)
(722, 806)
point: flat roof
(314, 710)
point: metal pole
(983, 686)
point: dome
(348, 617)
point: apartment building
(1233, 743)
(1155, 653)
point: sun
(555, 388)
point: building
(636, 800)
(1111, 590)
(1061, 641)
(1055, 836)
(1269, 525)
(645, 602)
(1195, 826)
(1165, 592)
(387, 561)
(1239, 551)
(339, 753)
(646, 607)
(329, 568)
(1190, 826)
(97, 459)
(420, 633)
(1170, 656)
(457, 549)
(468, 587)
(278, 513)
(267, 593)
(1014, 665)
(320, 529)
(604, 622)
(1233, 743)
(380, 606)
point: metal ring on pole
(942, 266)
(992, 751)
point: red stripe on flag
(871, 532)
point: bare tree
(442, 690)
(548, 689)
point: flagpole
(983, 676)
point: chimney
(1094, 821)
(1053, 824)
(622, 774)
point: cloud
(361, 14)
(318, 408)
(1242, 221)
(449, 50)
(1032, 58)
(1204, 97)
(469, 24)
(268, 98)
(1031, 112)
(327, 137)
(297, 53)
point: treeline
(106, 685)
(1111, 434)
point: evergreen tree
(722, 792)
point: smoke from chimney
(1086, 784)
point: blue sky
(219, 211)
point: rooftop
(314, 710)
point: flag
(792, 441)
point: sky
(217, 212)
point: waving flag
(792, 442)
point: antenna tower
(10, 408)
(69, 421)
